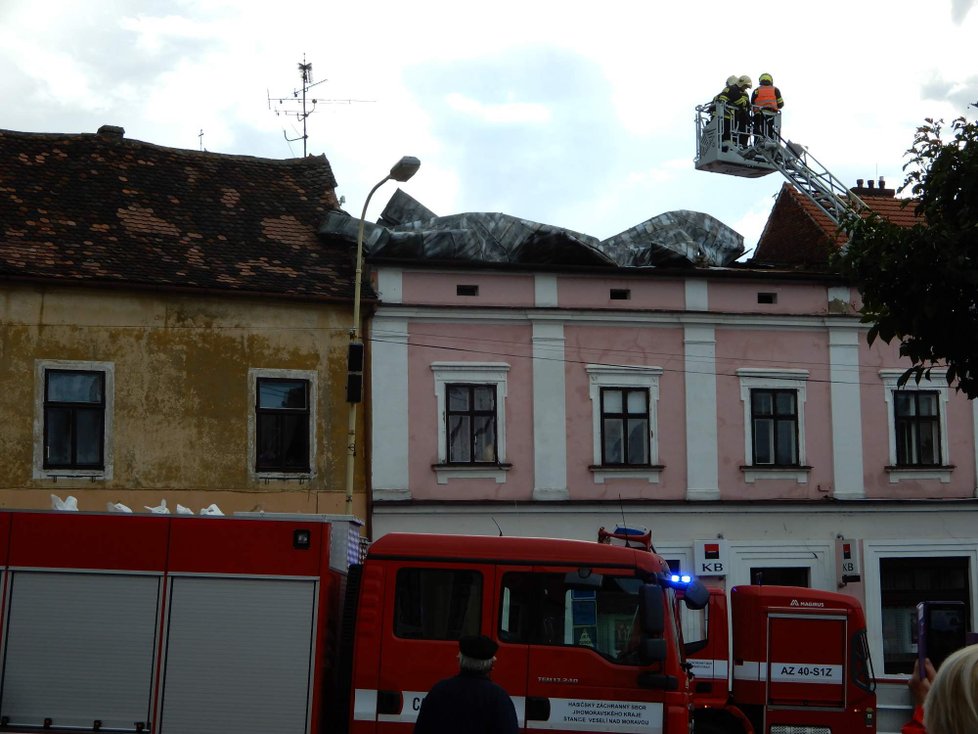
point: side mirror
(652, 650)
(651, 610)
(696, 595)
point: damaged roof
(409, 231)
(100, 209)
(798, 233)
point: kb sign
(711, 557)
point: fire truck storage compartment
(173, 624)
(257, 676)
(79, 648)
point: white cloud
(507, 113)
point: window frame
(781, 379)
(104, 471)
(255, 374)
(470, 373)
(936, 383)
(626, 377)
(472, 413)
(774, 418)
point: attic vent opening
(620, 294)
(466, 290)
(763, 297)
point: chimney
(859, 183)
(882, 183)
(112, 132)
(870, 183)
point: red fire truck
(800, 660)
(800, 663)
(181, 624)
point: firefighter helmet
(765, 78)
(731, 80)
(745, 82)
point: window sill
(652, 474)
(917, 473)
(94, 475)
(444, 472)
(282, 476)
(759, 473)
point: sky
(578, 115)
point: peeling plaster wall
(181, 403)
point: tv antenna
(300, 96)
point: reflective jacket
(768, 97)
(734, 98)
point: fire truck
(275, 625)
(800, 662)
(776, 659)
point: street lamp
(402, 171)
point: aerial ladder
(756, 153)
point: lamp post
(402, 171)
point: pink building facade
(709, 404)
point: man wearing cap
(469, 702)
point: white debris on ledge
(117, 507)
(69, 504)
(211, 510)
(160, 509)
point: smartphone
(941, 629)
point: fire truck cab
(588, 634)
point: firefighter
(766, 102)
(469, 702)
(734, 98)
(743, 117)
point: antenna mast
(300, 96)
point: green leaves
(920, 284)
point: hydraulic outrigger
(765, 153)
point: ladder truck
(766, 153)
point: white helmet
(731, 80)
(745, 82)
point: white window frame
(41, 366)
(874, 550)
(475, 373)
(762, 379)
(890, 377)
(310, 376)
(624, 376)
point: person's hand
(919, 687)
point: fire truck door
(431, 607)
(579, 628)
(806, 659)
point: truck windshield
(862, 663)
(543, 609)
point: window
(73, 436)
(74, 417)
(624, 426)
(544, 609)
(437, 604)
(904, 582)
(917, 427)
(282, 426)
(624, 401)
(471, 416)
(774, 424)
(918, 433)
(471, 404)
